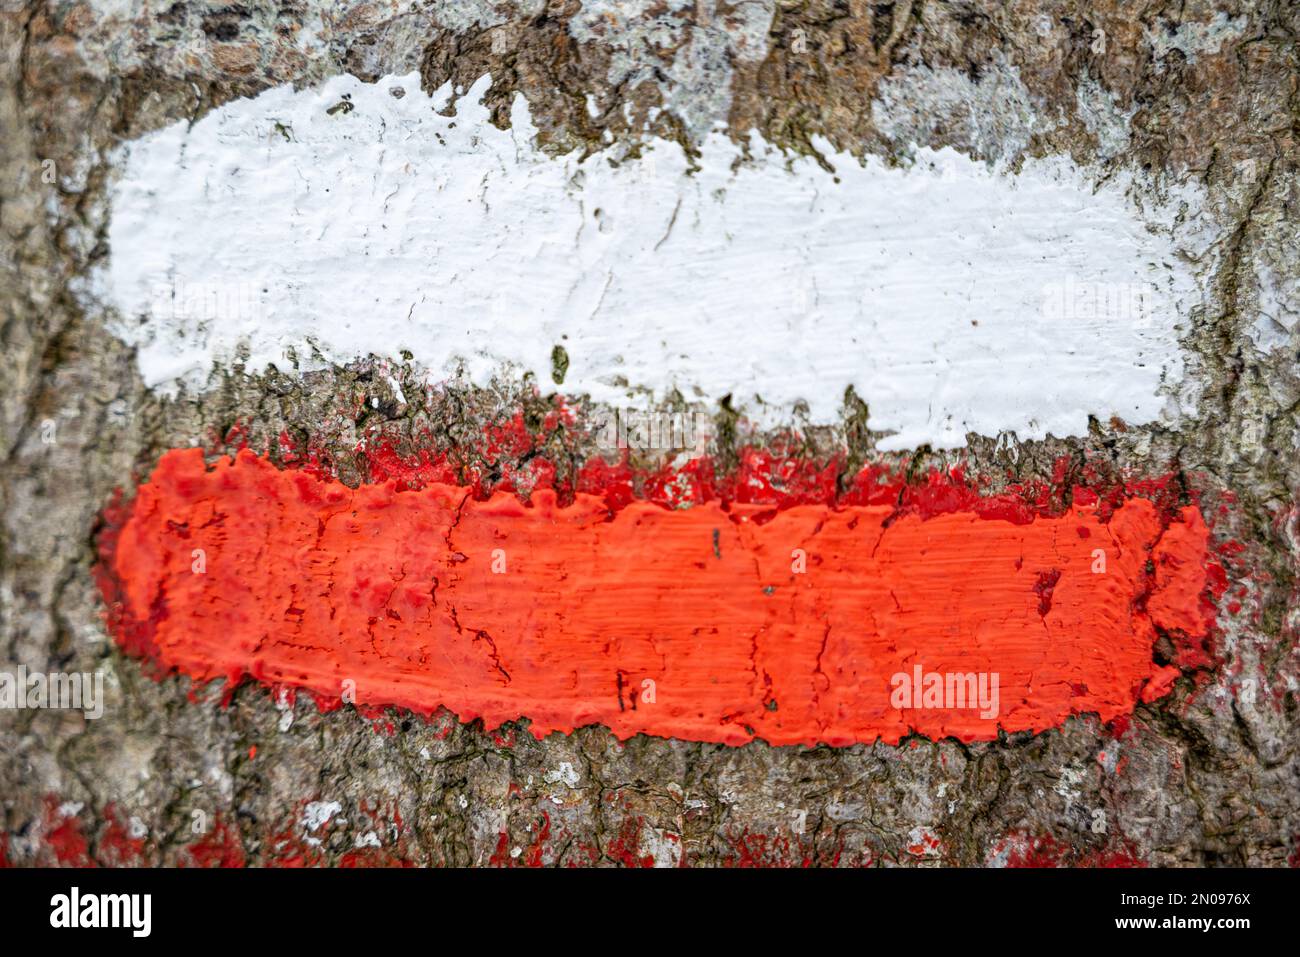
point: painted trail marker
(952, 297)
(704, 624)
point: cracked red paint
(726, 621)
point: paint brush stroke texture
(500, 610)
(331, 223)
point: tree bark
(1185, 91)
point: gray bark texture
(1187, 90)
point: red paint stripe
(311, 584)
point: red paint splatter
(219, 847)
(625, 848)
(1045, 851)
(63, 836)
(117, 848)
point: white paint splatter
(664, 848)
(991, 118)
(1068, 785)
(1277, 310)
(565, 773)
(461, 16)
(686, 48)
(300, 228)
(1102, 116)
(1192, 39)
(318, 813)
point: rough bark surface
(1183, 90)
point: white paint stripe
(938, 292)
